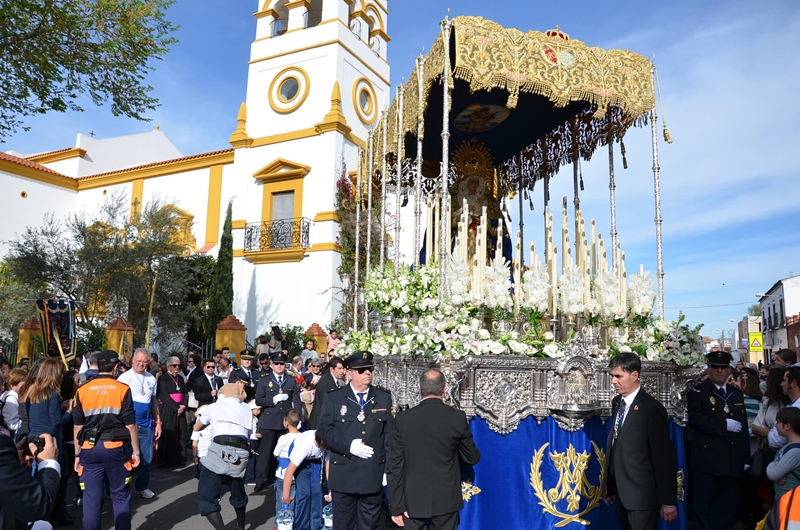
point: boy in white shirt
(306, 457)
(290, 422)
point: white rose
(483, 334)
(440, 326)
(457, 299)
(625, 349)
(463, 329)
(406, 309)
(496, 348)
(548, 335)
(551, 350)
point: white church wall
(89, 201)
(68, 166)
(21, 211)
(188, 191)
(120, 152)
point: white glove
(283, 397)
(359, 449)
(384, 479)
(733, 425)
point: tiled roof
(162, 163)
(48, 153)
(28, 163)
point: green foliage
(294, 336)
(13, 310)
(55, 52)
(220, 297)
(754, 310)
(107, 262)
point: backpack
(4, 428)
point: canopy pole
(612, 188)
(384, 170)
(577, 200)
(398, 179)
(418, 183)
(521, 222)
(357, 196)
(657, 190)
(444, 236)
(369, 218)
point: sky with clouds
(729, 75)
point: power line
(707, 306)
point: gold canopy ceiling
(563, 97)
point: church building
(317, 80)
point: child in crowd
(333, 340)
(290, 422)
(306, 456)
(250, 475)
(785, 470)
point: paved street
(175, 505)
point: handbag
(192, 402)
(761, 459)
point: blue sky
(729, 75)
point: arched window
(314, 15)
(282, 23)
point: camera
(38, 442)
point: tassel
(624, 158)
(667, 137)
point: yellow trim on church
(239, 224)
(291, 255)
(38, 175)
(321, 247)
(326, 216)
(214, 204)
(281, 176)
(55, 156)
(319, 45)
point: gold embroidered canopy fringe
(591, 96)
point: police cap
(108, 357)
(362, 359)
(719, 358)
(279, 358)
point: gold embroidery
(572, 483)
(681, 489)
(468, 490)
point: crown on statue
(472, 158)
(557, 33)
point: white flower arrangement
(604, 302)
(459, 284)
(408, 292)
(570, 292)
(535, 289)
(497, 287)
(641, 298)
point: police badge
(713, 401)
(343, 410)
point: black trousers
(356, 512)
(714, 501)
(635, 519)
(265, 468)
(448, 521)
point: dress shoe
(259, 488)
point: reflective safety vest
(103, 403)
(789, 509)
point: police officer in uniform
(247, 373)
(276, 395)
(720, 444)
(356, 423)
(106, 443)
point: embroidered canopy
(535, 100)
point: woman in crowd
(69, 386)
(172, 395)
(774, 400)
(748, 383)
(10, 399)
(42, 400)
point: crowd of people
(314, 429)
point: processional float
(487, 116)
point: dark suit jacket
(339, 426)
(271, 418)
(326, 384)
(715, 450)
(250, 389)
(202, 389)
(23, 498)
(429, 444)
(641, 468)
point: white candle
(437, 231)
(553, 284)
(498, 255)
(517, 275)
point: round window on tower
(365, 101)
(289, 89)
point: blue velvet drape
(504, 475)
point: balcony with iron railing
(277, 240)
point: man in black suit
(275, 395)
(429, 443)
(23, 498)
(356, 423)
(206, 385)
(720, 447)
(247, 373)
(641, 471)
(328, 383)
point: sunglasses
(210, 366)
(362, 370)
(315, 365)
(174, 365)
(264, 363)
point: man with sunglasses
(356, 423)
(247, 373)
(720, 446)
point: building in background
(780, 301)
(750, 340)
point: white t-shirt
(11, 409)
(282, 452)
(305, 449)
(204, 439)
(228, 416)
(143, 387)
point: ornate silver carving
(504, 390)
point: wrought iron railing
(277, 235)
